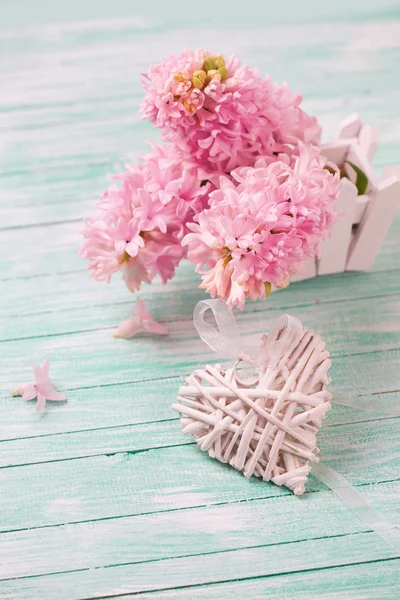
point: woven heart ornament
(266, 424)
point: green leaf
(361, 179)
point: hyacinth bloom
(262, 224)
(240, 187)
(140, 321)
(139, 224)
(222, 115)
(42, 388)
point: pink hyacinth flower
(42, 388)
(221, 114)
(138, 225)
(262, 224)
(140, 321)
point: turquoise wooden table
(102, 496)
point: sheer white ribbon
(226, 339)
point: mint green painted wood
(54, 251)
(97, 354)
(193, 531)
(171, 478)
(203, 569)
(103, 495)
(372, 581)
(72, 291)
(383, 317)
(130, 404)
(151, 436)
(239, 525)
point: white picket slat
(375, 225)
(335, 249)
(350, 127)
(369, 140)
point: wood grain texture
(163, 434)
(192, 531)
(54, 251)
(199, 570)
(129, 404)
(170, 478)
(371, 581)
(102, 496)
(361, 326)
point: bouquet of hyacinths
(239, 185)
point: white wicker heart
(264, 425)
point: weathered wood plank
(149, 436)
(372, 581)
(171, 478)
(200, 570)
(100, 115)
(133, 438)
(189, 532)
(26, 217)
(95, 357)
(131, 404)
(68, 115)
(71, 291)
(53, 249)
(71, 197)
(96, 407)
(369, 326)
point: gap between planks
(182, 509)
(373, 417)
(201, 570)
(74, 321)
(150, 513)
(193, 555)
(118, 366)
(221, 587)
(175, 319)
(49, 223)
(84, 400)
(255, 522)
(283, 306)
(127, 450)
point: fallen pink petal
(41, 388)
(21, 389)
(140, 321)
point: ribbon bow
(285, 334)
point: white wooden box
(364, 220)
